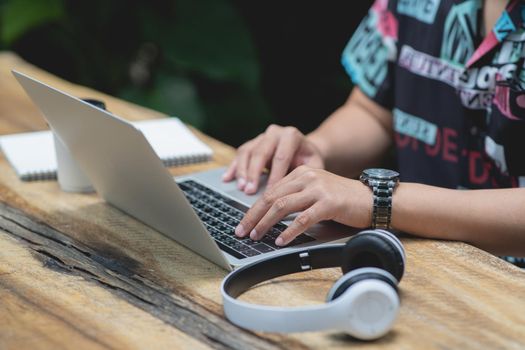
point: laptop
(199, 210)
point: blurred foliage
(19, 16)
(228, 67)
(194, 59)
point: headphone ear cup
(374, 248)
(365, 273)
(372, 301)
(339, 287)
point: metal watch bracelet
(382, 208)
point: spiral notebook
(32, 154)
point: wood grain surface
(78, 273)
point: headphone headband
(242, 279)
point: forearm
(493, 220)
(354, 137)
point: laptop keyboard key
(221, 227)
(230, 232)
(263, 248)
(238, 246)
(271, 242)
(302, 239)
(231, 222)
(184, 187)
(280, 227)
(249, 241)
(251, 252)
(242, 248)
(229, 250)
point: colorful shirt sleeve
(371, 52)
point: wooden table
(77, 273)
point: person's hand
(317, 194)
(278, 148)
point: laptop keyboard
(221, 215)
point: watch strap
(382, 208)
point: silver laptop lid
(122, 167)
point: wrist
(366, 205)
(319, 143)
(356, 208)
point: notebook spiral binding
(50, 174)
(43, 175)
(196, 158)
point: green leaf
(19, 16)
(209, 37)
(236, 114)
(175, 96)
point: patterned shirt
(457, 96)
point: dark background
(228, 67)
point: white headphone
(364, 302)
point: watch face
(381, 174)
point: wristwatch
(382, 182)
